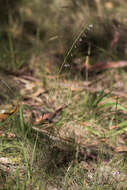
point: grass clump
(83, 147)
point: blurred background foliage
(36, 34)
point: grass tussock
(84, 147)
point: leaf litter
(73, 126)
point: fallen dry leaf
(103, 140)
(38, 120)
(121, 149)
(105, 65)
(48, 116)
(3, 116)
(11, 135)
(113, 127)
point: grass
(93, 158)
(85, 146)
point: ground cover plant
(63, 95)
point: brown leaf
(121, 149)
(3, 116)
(103, 140)
(38, 120)
(106, 65)
(113, 127)
(11, 135)
(48, 116)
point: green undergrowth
(90, 152)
